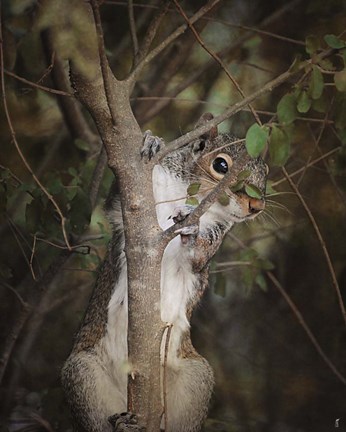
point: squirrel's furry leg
(98, 396)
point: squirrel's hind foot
(151, 145)
(125, 422)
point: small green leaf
(334, 42)
(253, 191)
(223, 199)
(303, 102)
(264, 264)
(238, 186)
(286, 109)
(243, 175)
(296, 64)
(269, 188)
(316, 84)
(81, 144)
(193, 189)
(279, 146)
(192, 201)
(73, 172)
(340, 80)
(261, 282)
(321, 105)
(312, 44)
(256, 138)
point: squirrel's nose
(256, 205)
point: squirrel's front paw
(151, 145)
(181, 212)
(125, 422)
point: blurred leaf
(223, 199)
(5, 271)
(192, 201)
(303, 102)
(81, 144)
(261, 282)
(340, 80)
(80, 212)
(193, 188)
(253, 191)
(316, 84)
(312, 44)
(321, 105)
(286, 109)
(279, 146)
(334, 42)
(33, 212)
(220, 285)
(256, 138)
(269, 188)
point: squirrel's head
(215, 156)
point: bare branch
(215, 57)
(179, 31)
(306, 328)
(322, 243)
(133, 31)
(238, 106)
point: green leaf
(312, 44)
(193, 189)
(243, 175)
(261, 282)
(223, 199)
(269, 188)
(73, 172)
(279, 146)
(192, 201)
(303, 102)
(322, 104)
(316, 83)
(256, 138)
(238, 186)
(334, 42)
(81, 144)
(264, 264)
(253, 191)
(286, 109)
(340, 80)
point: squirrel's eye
(220, 165)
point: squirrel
(94, 376)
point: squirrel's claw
(181, 212)
(151, 145)
(125, 422)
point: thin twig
(238, 106)
(39, 86)
(179, 31)
(106, 72)
(215, 57)
(322, 243)
(165, 367)
(133, 31)
(15, 142)
(306, 328)
(313, 162)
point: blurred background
(271, 323)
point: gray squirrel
(94, 376)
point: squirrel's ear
(208, 136)
(213, 132)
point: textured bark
(123, 139)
